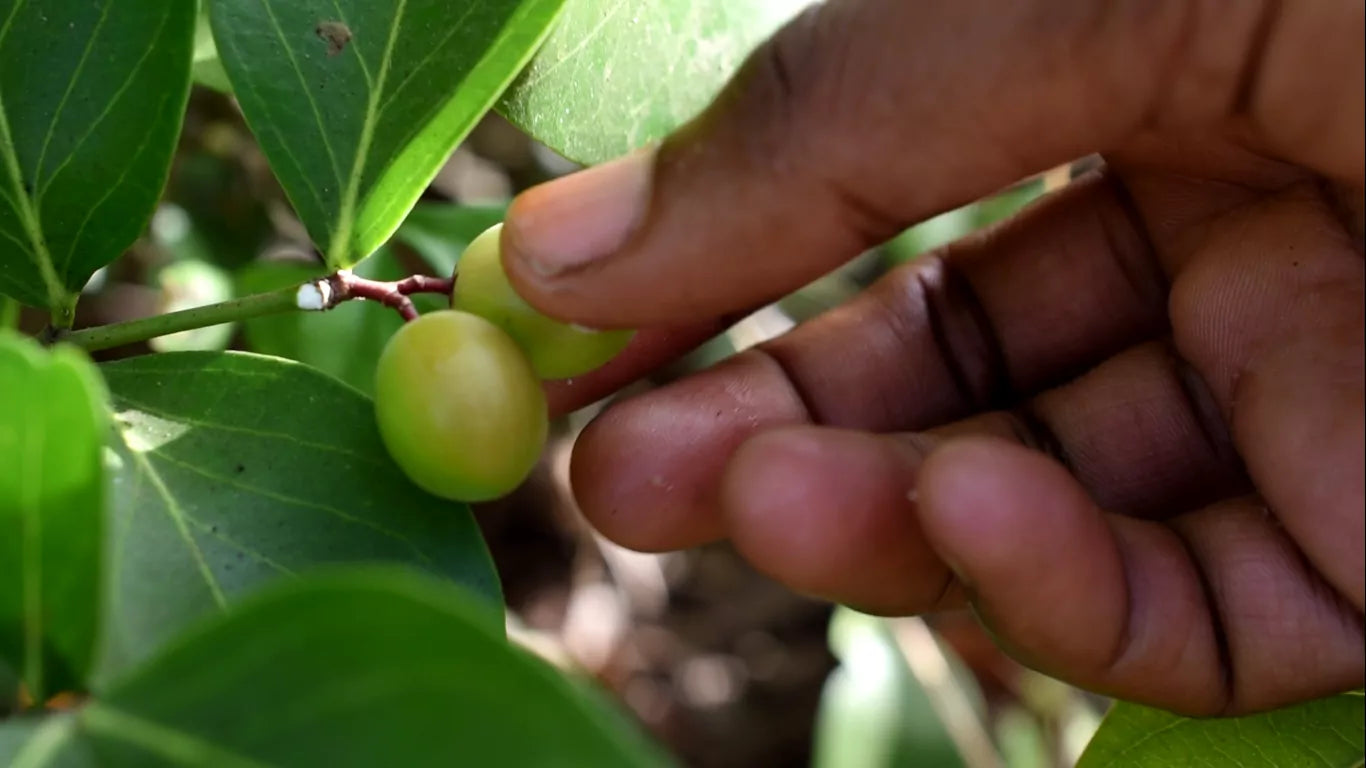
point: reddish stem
(347, 286)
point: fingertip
(647, 471)
(575, 224)
(829, 513)
(640, 489)
(970, 494)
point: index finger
(865, 116)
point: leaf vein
(177, 516)
(42, 186)
(291, 500)
(70, 86)
(308, 92)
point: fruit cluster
(458, 394)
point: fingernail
(570, 223)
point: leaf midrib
(338, 251)
(23, 205)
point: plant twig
(346, 286)
(314, 296)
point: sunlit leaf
(358, 103)
(615, 75)
(53, 428)
(1327, 732)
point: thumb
(862, 117)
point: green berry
(556, 350)
(458, 407)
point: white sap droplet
(313, 296)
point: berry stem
(314, 296)
(346, 286)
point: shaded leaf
(92, 96)
(357, 103)
(236, 469)
(440, 232)
(1327, 733)
(358, 668)
(615, 75)
(53, 428)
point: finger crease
(964, 336)
(1034, 432)
(870, 221)
(1137, 262)
(1208, 417)
(794, 381)
(1124, 643)
(1218, 623)
(942, 594)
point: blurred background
(721, 665)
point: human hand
(1126, 428)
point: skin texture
(556, 350)
(458, 407)
(1124, 428)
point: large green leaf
(53, 427)
(361, 668)
(616, 75)
(235, 469)
(1326, 733)
(92, 95)
(357, 103)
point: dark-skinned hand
(1125, 428)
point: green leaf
(1326, 733)
(616, 75)
(236, 469)
(358, 103)
(345, 342)
(92, 96)
(358, 668)
(44, 743)
(875, 712)
(53, 427)
(440, 232)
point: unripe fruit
(458, 407)
(556, 350)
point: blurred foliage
(875, 711)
